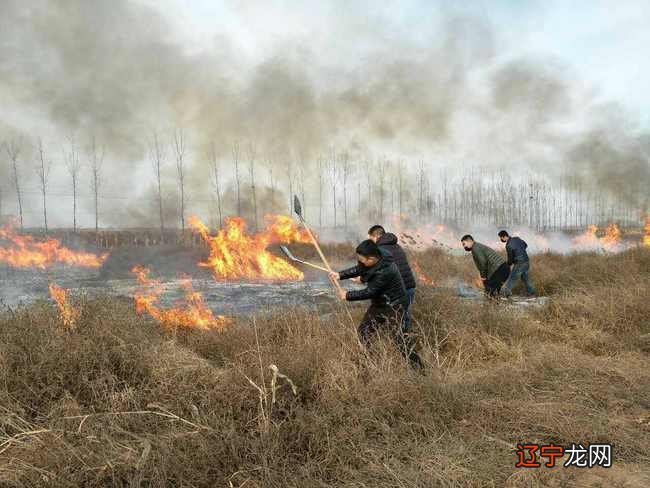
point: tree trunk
(235, 155)
(74, 203)
(252, 177)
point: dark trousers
(496, 280)
(410, 293)
(389, 320)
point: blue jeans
(519, 270)
(410, 293)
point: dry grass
(120, 402)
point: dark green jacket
(487, 260)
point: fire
(194, 313)
(235, 254)
(611, 241)
(646, 237)
(67, 313)
(23, 251)
(612, 238)
(421, 275)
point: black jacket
(516, 249)
(388, 242)
(384, 285)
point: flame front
(67, 313)
(611, 241)
(646, 237)
(612, 238)
(236, 254)
(194, 313)
(22, 251)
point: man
(492, 267)
(518, 259)
(386, 292)
(388, 242)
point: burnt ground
(169, 264)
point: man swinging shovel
(384, 288)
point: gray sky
(603, 43)
(536, 86)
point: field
(292, 401)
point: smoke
(113, 70)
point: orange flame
(22, 251)
(67, 313)
(612, 237)
(195, 313)
(421, 275)
(234, 253)
(611, 241)
(646, 237)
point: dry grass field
(292, 401)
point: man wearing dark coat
(519, 262)
(388, 242)
(387, 294)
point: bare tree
(71, 156)
(43, 171)
(320, 192)
(236, 153)
(301, 175)
(334, 175)
(346, 174)
(382, 164)
(95, 162)
(179, 152)
(157, 157)
(251, 170)
(272, 182)
(421, 177)
(400, 188)
(290, 176)
(216, 180)
(12, 149)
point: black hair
(503, 233)
(466, 237)
(368, 249)
(376, 228)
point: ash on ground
(23, 286)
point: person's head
(368, 253)
(375, 232)
(503, 235)
(468, 242)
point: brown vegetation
(291, 400)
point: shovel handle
(336, 284)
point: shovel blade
(287, 253)
(296, 206)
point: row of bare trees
(14, 149)
(340, 190)
(157, 157)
